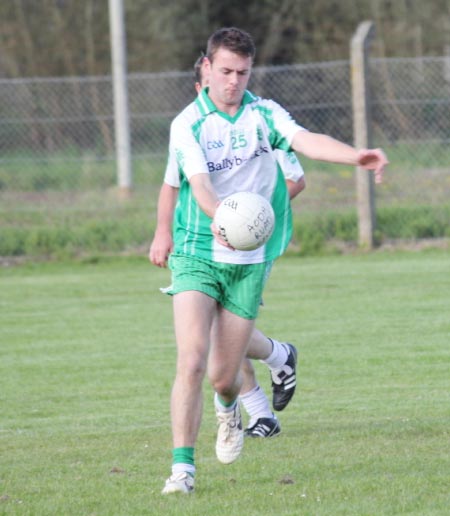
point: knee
(224, 384)
(191, 368)
(221, 386)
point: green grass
(87, 362)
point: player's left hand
(160, 249)
(373, 159)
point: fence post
(121, 116)
(362, 137)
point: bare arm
(208, 201)
(325, 148)
(162, 244)
(204, 193)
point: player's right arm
(204, 193)
(208, 201)
(162, 244)
(190, 157)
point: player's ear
(206, 64)
(197, 87)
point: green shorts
(237, 288)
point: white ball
(245, 220)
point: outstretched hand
(373, 159)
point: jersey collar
(206, 105)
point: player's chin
(234, 97)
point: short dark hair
(233, 39)
(198, 68)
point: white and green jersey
(237, 153)
(289, 164)
(287, 160)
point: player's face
(228, 76)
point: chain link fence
(57, 135)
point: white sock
(279, 355)
(220, 407)
(256, 405)
(180, 467)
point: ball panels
(245, 220)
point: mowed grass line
(87, 362)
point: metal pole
(362, 131)
(121, 116)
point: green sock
(224, 403)
(184, 455)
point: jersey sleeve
(289, 164)
(282, 127)
(172, 176)
(185, 149)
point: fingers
(379, 173)
(160, 248)
(217, 235)
(373, 159)
(158, 257)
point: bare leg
(260, 346)
(230, 337)
(248, 376)
(193, 315)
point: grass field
(87, 362)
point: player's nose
(234, 78)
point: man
(223, 143)
(280, 357)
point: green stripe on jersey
(276, 139)
(282, 233)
